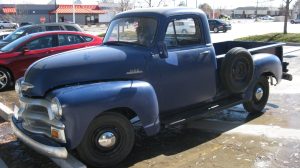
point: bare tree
(286, 14)
(182, 3)
(206, 8)
(150, 3)
(124, 5)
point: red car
(16, 57)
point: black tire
(258, 103)
(5, 79)
(92, 153)
(292, 22)
(237, 70)
(225, 30)
(1, 27)
(216, 30)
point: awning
(81, 9)
(9, 10)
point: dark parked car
(25, 24)
(29, 29)
(217, 25)
(18, 55)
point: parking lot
(230, 138)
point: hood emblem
(134, 71)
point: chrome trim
(50, 151)
(39, 102)
(107, 139)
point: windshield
(11, 46)
(14, 35)
(137, 30)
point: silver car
(295, 21)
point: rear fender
(265, 64)
(81, 104)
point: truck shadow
(182, 137)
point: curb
(5, 112)
(2, 164)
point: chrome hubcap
(107, 139)
(259, 93)
(3, 79)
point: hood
(93, 64)
(3, 43)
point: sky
(230, 4)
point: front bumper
(50, 148)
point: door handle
(205, 53)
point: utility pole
(56, 14)
(74, 11)
(186, 3)
(196, 3)
(256, 10)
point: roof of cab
(166, 12)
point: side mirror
(162, 49)
(25, 49)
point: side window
(40, 43)
(53, 28)
(34, 30)
(71, 28)
(183, 32)
(87, 38)
(69, 39)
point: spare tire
(237, 70)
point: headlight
(56, 107)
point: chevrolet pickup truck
(145, 76)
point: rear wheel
(108, 140)
(292, 22)
(225, 30)
(216, 30)
(1, 27)
(260, 96)
(5, 79)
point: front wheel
(5, 79)
(108, 140)
(260, 96)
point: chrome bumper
(50, 151)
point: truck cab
(147, 74)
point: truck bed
(222, 48)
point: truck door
(188, 74)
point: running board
(219, 105)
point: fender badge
(134, 71)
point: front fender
(268, 64)
(81, 104)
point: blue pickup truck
(147, 74)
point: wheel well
(127, 112)
(271, 76)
